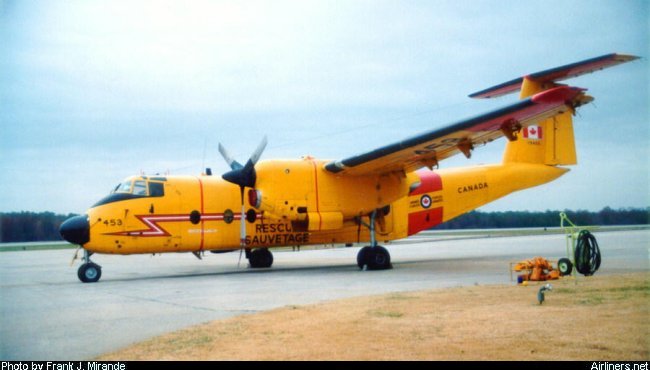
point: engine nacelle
(303, 191)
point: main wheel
(261, 258)
(565, 266)
(376, 258)
(363, 256)
(379, 259)
(89, 272)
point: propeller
(244, 176)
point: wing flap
(429, 148)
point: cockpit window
(124, 187)
(135, 187)
(140, 188)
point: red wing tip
(558, 94)
(625, 57)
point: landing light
(254, 198)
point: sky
(94, 91)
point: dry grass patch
(603, 317)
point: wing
(429, 148)
(556, 74)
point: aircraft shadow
(323, 269)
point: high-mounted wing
(429, 148)
(556, 74)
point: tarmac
(46, 313)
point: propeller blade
(241, 251)
(258, 152)
(242, 226)
(234, 165)
(74, 258)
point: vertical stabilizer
(549, 142)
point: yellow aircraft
(385, 194)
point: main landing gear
(89, 272)
(259, 258)
(373, 257)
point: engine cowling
(303, 192)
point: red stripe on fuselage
(202, 219)
(320, 219)
(429, 182)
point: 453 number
(113, 222)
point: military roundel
(425, 201)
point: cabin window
(156, 189)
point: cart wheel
(565, 266)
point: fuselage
(301, 204)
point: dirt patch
(604, 317)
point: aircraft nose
(76, 230)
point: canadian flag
(533, 132)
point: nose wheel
(89, 272)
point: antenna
(205, 146)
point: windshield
(124, 187)
(141, 187)
(135, 187)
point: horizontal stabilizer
(555, 74)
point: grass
(392, 314)
(601, 317)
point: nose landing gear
(89, 272)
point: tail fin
(551, 141)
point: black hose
(587, 255)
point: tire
(587, 254)
(565, 266)
(363, 256)
(89, 273)
(379, 259)
(261, 258)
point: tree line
(30, 226)
(44, 226)
(517, 219)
